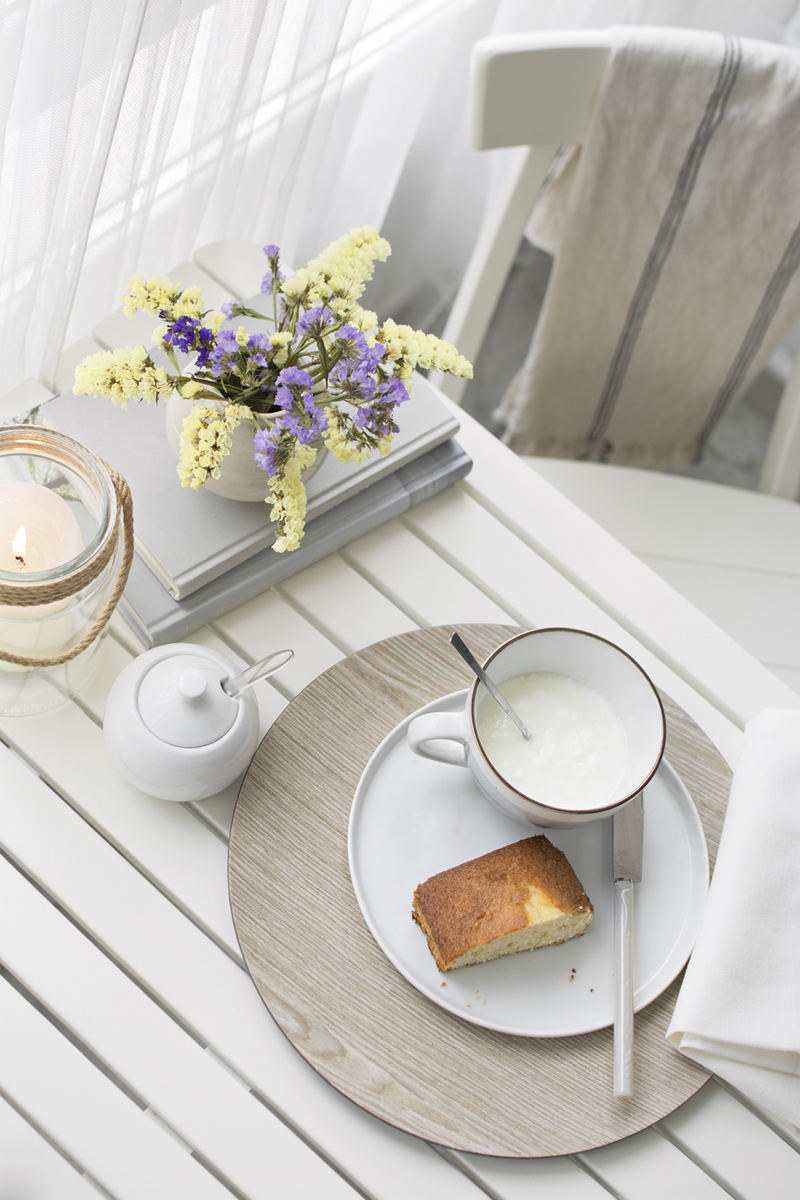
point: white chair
(734, 553)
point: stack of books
(199, 555)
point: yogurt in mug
(578, 748)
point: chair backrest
(537, 92)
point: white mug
(453, 738)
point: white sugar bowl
(180, 722)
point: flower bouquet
(326, 371)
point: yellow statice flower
(122, 375)
(337, 276)
(340, 306)
(337, 441)
(364, 319)
(417, 349)
(289, 499)
(161, 295)
(189, 303)
(306, 287)
(191, 389)
(205, 440)
(350, 260)
(281, 341)
(149, 295)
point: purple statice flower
(293, 384)
(303, 433)
(318, 418)
(296, 377)
(182, 333)
(205, 342)
(353, 381)
(271, 251)
(256, 349)
(265, 444)
(223, 356)
(353, 343)
(307, 423)
(268, 282)
(363, 417)
(228, 308)
(393, 391)
(373, 355)
(284, 398)
(302, 417)
(316, 321)
(188, 334)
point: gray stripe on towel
(670, 223)
(770, 303)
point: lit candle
(38, 532)
(38, 529)
(20, 545)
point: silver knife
(628, 834)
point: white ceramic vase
(240, 477)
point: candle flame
(19, 545)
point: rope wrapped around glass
(66, 548)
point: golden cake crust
(487, 898)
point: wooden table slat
(733, 1143)
(83, 1112)
(209, 994)
(31, 1167)
(188, 1089)
(167, 842)
(418, 579)
(706, 657)
(648, 1167)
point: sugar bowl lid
(181, 700)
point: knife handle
(623, 988)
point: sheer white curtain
(134, 131)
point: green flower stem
(251, 312)
(323, 354)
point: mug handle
(439, 736)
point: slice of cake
(516, 898)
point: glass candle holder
(66, 544)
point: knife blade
(628, 839)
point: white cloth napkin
(738, 1012)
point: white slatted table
(137, 1057)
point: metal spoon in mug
(268, 666)
(472, 662)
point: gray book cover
(157, 618)
(189, 538)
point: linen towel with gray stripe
(676, 268)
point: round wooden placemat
(342, 1004)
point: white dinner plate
(412, 818)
